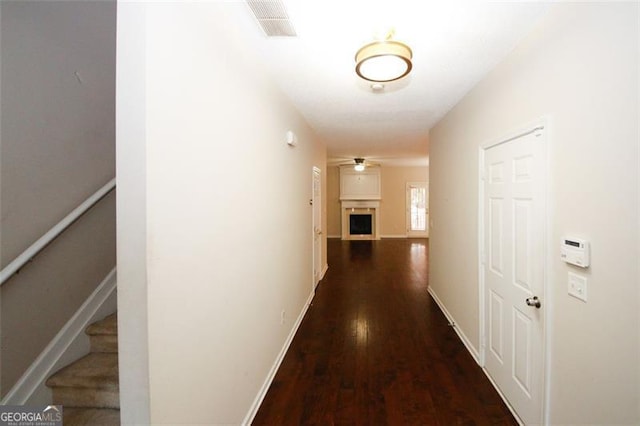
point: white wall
(228, 221)
(579, 67)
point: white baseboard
(474, 353)
(465, 340)
(274, 369)
(504, 399)
(324, 271)
(68, 345)
(394, 236)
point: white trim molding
(504, 399)
(67, 346)
(253, 410)
(324, 271)
(472, 349)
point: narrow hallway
(374, 348)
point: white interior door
(514, 268)
(317, 226)
(417, 209)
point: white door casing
(317, 226)
(513, 269)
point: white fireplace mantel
(360, 204)
(349, 207)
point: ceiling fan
(358, 163)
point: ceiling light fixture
(384, 60)
(359, 167)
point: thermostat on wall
(575, 251)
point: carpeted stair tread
(88, 387)
(104, 334)
(90, 416)
(94, 371)
(108, 326)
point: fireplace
(360, 203)
(360, 220)
(360, 224)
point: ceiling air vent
(272, 17)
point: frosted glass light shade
(383, 61)
(359, 167)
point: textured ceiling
(455, 44)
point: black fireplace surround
(360, 224)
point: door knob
(533, 301)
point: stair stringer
(69, 345)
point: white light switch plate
(577, 286)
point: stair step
(73, 416)
(91, 381)
(107, 325)
(104, 335)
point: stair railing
(35, 248)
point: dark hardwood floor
(375, 349)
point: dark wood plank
(375, 349)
